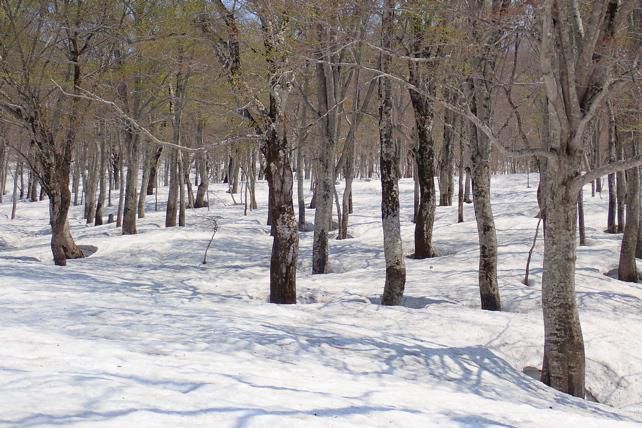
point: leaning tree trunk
(563, 367)
(56, 180)
(389, 169)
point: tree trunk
(203, 170)
(627, 268)
(133, 165)
(389, 169)
(480, 171)
(563, 367)
(181, 190)
(467, 188)
(144, 184)
(102, 179)
(327, 122)
(580, 218)
(285, 246)
(299, 185)
(171, 212)
(424, 155)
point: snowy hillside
(141, 334)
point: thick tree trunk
(389, 169)
(563, 367)
(56, 181)
(285, 246)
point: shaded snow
(142, 334)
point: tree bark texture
(389, 169)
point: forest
(328, 213)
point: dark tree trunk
(424, 155)
(203, 169)
(172, 197)
(102, 180)
(580, 218)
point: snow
(142, 334)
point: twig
(211, 240)
(530, 253)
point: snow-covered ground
(141, 334)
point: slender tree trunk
(460, 193)
(467, 188)
(121, 192)
(144, 184)
(171, 213)
(299, 183)
(580, 218)
(627, 268)
(480, 161)
(620, 189)
(100, 202)
(203, 169)
(14, 195)
(181, 191)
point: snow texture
(141, 334)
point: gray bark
(389, 166)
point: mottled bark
(389, 169)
